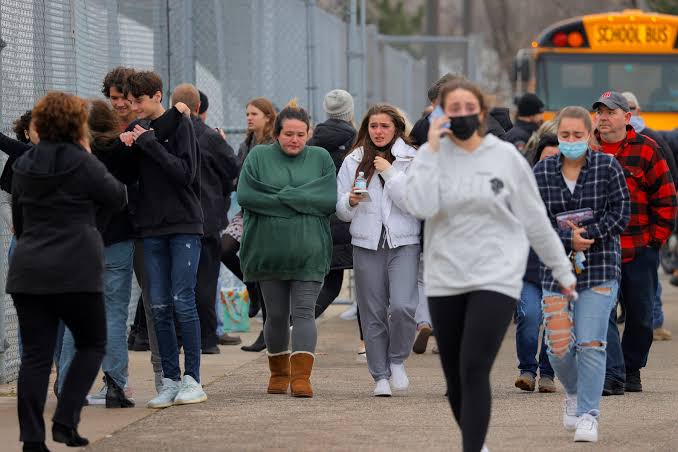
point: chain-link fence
(232, 50)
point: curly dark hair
(21, 125)
(116, 78)
(143, 83)
(61, 118)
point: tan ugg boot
(279, 364)
(301, 365)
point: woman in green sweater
(288, 191)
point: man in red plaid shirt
(653, 212)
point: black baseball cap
(529, 105)
(612, 100)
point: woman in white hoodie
(483, 211)
(385, 242)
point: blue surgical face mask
(637, 123)
(572, 150)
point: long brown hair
(104, 124)
(267, 108)
(370, 150)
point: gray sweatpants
(387, 295)
(299, 297)
(422, 315)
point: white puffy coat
(387, 206)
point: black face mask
(464, 126)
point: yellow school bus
(573, 61)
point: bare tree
(512, 25)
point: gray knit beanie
(338, 104)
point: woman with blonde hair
(548, 127)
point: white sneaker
(98, 398)
(570, 413)
(484, 449)
(190, 392)
(351, 313)
(382, 389)
(399, 377)
(587, 429)
(165, 397)
(362, 357)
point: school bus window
(577, 75)
(576, 79)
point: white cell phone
(364, 195)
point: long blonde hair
(531, 145)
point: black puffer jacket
(336, 137)
(218, 170)
(520, 134)
(117, 227)
(56, 192)
(665, 151)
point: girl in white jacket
(386, 244)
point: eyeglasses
(633, 108)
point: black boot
(257, 346)
(255, 304)
(68, 436)
(115, 395)
(35, 447)
(132, 336)
(141, 342)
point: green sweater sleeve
(258, 197)
(318, 197)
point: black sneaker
(213, 350)
(612, 387)
(633, 383)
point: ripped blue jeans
(171, 264)
(576, 334)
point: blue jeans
(171, 264)
(219, 308)
(117, 294)
(527, 333)
(572, 329)
(638, 289)
(657, 310)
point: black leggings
(39, 315)
(469, 331)
(229, 257)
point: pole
(467, 29)
(362, 101)
(432, 57)
(310, 58)
(353, 67)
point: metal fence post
(310, 59)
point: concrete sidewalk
(239, 415)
